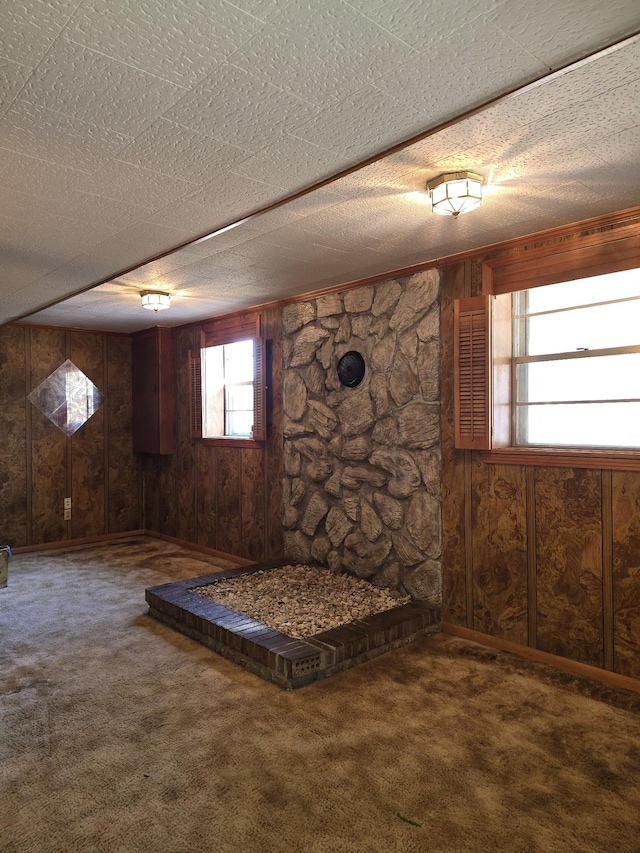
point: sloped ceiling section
(127, 129)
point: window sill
(560, 458)
(247, 443)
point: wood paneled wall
(226, 498)
(40, 466)
(540, 556)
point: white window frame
(216, 392)
(522, 405)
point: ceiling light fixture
(455, 192)
(155, 300)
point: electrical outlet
(67, 503)
(67, 514)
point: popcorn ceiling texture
(363, 465)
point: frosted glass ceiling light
(154, 300)
(455, 192)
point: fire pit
(301, 600)
(291, 624)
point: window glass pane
(566, 318)
(241, 397)
(239, 423)
(610, 377)
(584, 425)
(212, 360)
(616, 324)
(617, 285)
(238, 362)
(227, 390)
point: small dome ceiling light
(155, 300)
(455, 192)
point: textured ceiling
(129, 128)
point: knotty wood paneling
(40, 466)
(87, 444)
(274, 540)
(124, 511)
(227, 498)
(626, 573)
(252, 511)
(606, 479)
(168, 485)
(499, 536)
(49, 474)
(183, 341)
(151, 495)
(453, 475)
(13, 446)
(153, 381)
(207, 512)
(475, 276)
(582, 529)
(569, 553)
(532, 565)
(228, 486)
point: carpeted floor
(118, 734)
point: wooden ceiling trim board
(632, 215)
(629, 218)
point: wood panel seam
(468, 538)
(28, 438)
(105, 386)
(532, 580)
(68, 446)
(607, 569)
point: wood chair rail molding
(551, 457)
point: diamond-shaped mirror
(67, 397)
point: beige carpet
(118, 734)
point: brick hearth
(286, 661)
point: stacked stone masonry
(363, 465)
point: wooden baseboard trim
(108, 537)
(68, 543)
(201, 549)
(612, 679)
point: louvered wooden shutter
(195, 394)
(259, 391)
(472, 371)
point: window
(227, 382)
(576, 365)
(547, 360)
(227, 390)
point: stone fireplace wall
(362, 465)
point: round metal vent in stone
(351, 369)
